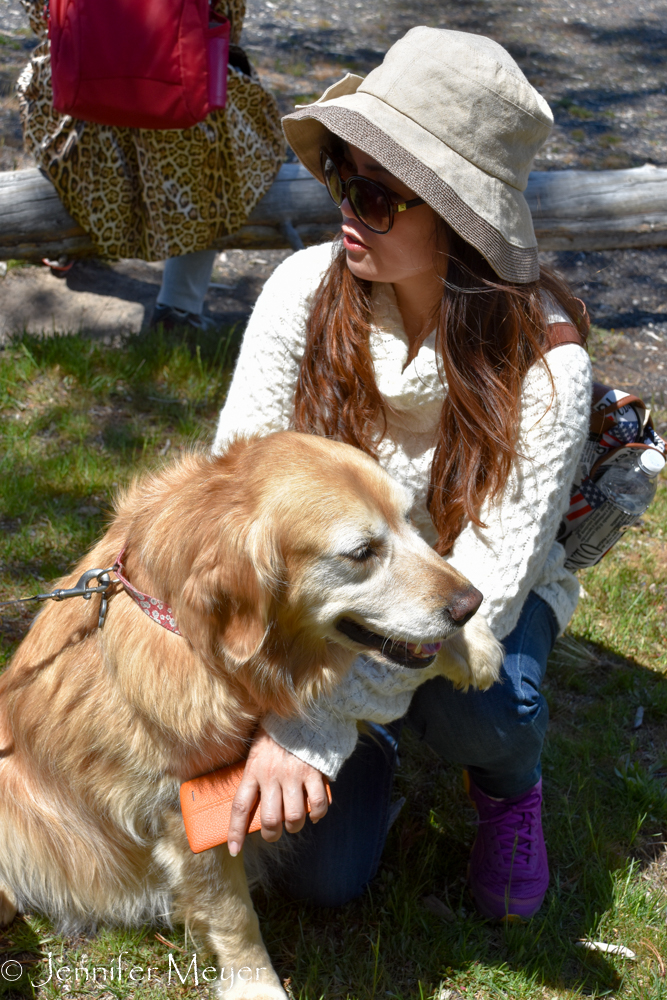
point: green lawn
(77, 420)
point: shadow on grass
(605, 813)
(605, 799)
(78, 418)
(21, 956)
(153, 380)
(140, 359)
(605, 809)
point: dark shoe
(509, 871)
(59, 268)
(170, 318)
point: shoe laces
(514, 829)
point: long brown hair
(488, 335)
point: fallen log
(572, 210)
(599, 209)
(34, 223)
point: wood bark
(572, 210)
(599, 209)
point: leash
(80, 590)
(156, 610)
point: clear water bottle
(632, 488)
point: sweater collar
(413, 389)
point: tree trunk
(572, 210)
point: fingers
(244, 800)
(271, 810)
(283, 782)
(294, 805)
(317, 795)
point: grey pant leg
(185, 281)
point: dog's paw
(252, 991)
(473, 657)
(7, 906)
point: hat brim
(485, 211)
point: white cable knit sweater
(514, 554)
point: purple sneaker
(509, 872)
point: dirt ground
(601, 65)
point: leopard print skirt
(155, 193)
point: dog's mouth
(406, 654)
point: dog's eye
(361, 555)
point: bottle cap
(652, 462)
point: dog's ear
(224, 608)
(473, 657)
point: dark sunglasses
(372, 203)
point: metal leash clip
(83, 590)
(80, 590)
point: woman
(422, 339)
(158, 193)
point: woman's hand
(283, 782)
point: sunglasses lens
(370, 204)
(332, 180)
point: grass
(602, 343)
(77, 420)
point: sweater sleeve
(370, 692)
(517, 549)
(261, 396)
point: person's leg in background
(497, 736)
(185, 282)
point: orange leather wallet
(206, 804)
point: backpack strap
(562, 333)
(603, 417)
(559, 334)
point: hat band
(510, 262)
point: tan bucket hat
(452, 116)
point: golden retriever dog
(282, 560)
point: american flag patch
(587, 498)
(625, 429)
(619, 435)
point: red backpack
(158, 64)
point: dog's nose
(464, 605)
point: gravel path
(601, 66)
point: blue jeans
(496, 734)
